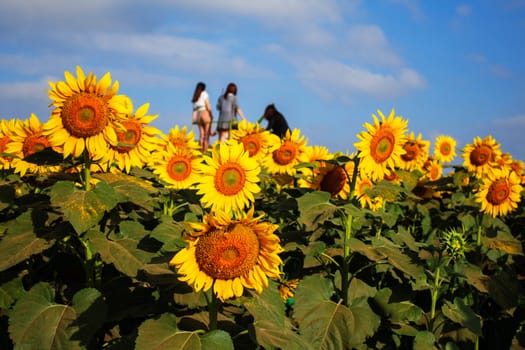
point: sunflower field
(114, 235)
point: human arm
(237, 109)
(239, 112)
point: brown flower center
(127, 140)
(230, 178)
(33, 144)
(364, 186)
(498, 192)
(229, 253)
(179, 168)
(334, 181)
(382, 145)
(481, 155)
(285, 154)
(434, 172)
(411, 151)
(445, 148)
(252, 144)
(85, 114)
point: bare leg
(202, 135)
(206, 139)
(223, 135)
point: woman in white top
(204, 117)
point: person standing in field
(228, 108)
(202, 115)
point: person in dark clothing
(277, 124)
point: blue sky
(450, 67)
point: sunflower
(481, 156)
(230, 255)
(381, 145)
(228, 178)
(500, 192)
(290, 153)
(445, 148)
(6, 129)
(257, 141)
(287, 289)
(316, 156)
(27, 139)
(177, 167)
(181, 138)
(331, 178)
(84, 113)
(362, 185)
(432, 169)
(416, 152)
(136, 140)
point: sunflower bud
(454, 244)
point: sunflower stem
(213, 310)
(86, 169)
(435, 292)
(347, 222)
(478, 236)
(354, 177)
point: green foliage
(88, 269)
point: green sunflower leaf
(273, 329)
(315, 208)
(21, 241)
(162, 333)
(11, 291)
(460, 313)
(217, 340)
(123, 253)
(84, 209)
(37, 322)
(131, 189)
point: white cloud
(270, 11)
(517, 121)
(413, 6)
(184, 54)
(25, 90)
(477, 58)
(463, 10)
(334, 80)
(368, 43)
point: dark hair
(231, 88)
(198, 90)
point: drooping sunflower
(137, 140)
(27, 139)
(83, 114)
(481, 156)
(6, 129)
(229, 178)
(290, 153)
(257, 141)
(500, 192)
(230, 255)
(316, 156)
(445, 148)
(177, 167)
(362, 185)
(381, 145)
(331, 178)
(416, 152)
